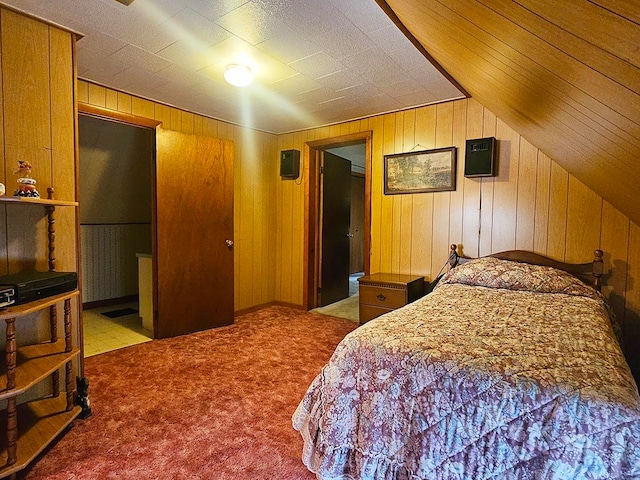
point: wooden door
(336, 213)
(194, 223)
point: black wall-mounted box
(290, 164)
(480, 158)
(29, 286)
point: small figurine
(26, 184)
(82, 397)
(2, 189)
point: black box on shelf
(7, 296)
(30, 285)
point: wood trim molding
(340, 141)
(311, 207)
(76, 172)
(112, 115)
(295, 306)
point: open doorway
(116, 171)
(356, 154)
(337, 221)
(178, 307)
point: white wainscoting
(109, 263)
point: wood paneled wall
(566, 75)
(37, 116)
(38, 126)
(533, 204)
(255, 175)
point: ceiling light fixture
(238, 75)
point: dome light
(238, 75)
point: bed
(507, 370)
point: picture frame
(421, 171)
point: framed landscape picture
(422, 171)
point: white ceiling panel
(252, 23)
(195, 29)
(363, 62)
(317, 65)
(155, 12)
(101, 44)
(315, 62)
(361, 15)
(138, 58)
(393, 43)
(415, 98)
(183, 53)
(289, 45)
(183, 77)
(402, 88)
(343, 79)
(212, 9)
(121, 79)
(141, 33)
(294, 86)
(108, 65)
(77, 16)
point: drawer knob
(381, 297)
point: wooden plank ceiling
(563, 74)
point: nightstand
(383, 292)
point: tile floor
(103, 334)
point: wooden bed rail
(589, 273)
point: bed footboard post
(598, 268)
(453, 256)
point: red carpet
(212, 405)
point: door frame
(136, 121)
(311, 159)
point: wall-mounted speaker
(290, 164)
(480, 158)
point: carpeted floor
(211, 405)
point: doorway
(357, 235)
(115, 185)
(191, 227)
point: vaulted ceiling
(565, 75)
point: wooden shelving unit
(41, 421)
(28, 428)
(35, 363)
(38, 201)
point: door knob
(229, 243)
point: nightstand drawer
(367, 312)
(383, 297)
(383, 292)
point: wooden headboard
(589, 273)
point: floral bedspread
(505, 371)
